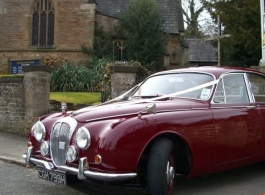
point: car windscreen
(165, 84)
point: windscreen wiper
(147, 96)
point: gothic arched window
(43, 23)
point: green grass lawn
(76, 97)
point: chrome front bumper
(82, 171)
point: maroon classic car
(191, 121)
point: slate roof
(201, 51)
(171, 11)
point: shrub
(72, 78)
(142, 28)
(98, 66)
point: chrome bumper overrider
(82, 171)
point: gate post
(37, 93)
(123, 78)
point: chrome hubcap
(170, 173)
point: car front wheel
(161, 168)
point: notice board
(16, 65)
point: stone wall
(74, 26)
(178, 55)
(12, 104)
(23, 98)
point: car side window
(257, 84)
(231, 89)
(219, 96)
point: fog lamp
(71, 154)
(44, 148)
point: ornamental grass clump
(72, 78)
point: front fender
(121, 142)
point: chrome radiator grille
(59, 142)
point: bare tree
(197, 21)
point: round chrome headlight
(71, 154)
(44, 148)
(83, 138)
(39, 131)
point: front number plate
(55, 177)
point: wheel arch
(182, 151)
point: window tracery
(43, 23)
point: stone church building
(32, 31)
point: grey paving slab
(12, 147)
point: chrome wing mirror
(150, 109)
